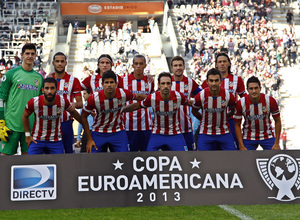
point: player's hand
(276, 147)
(72, 107)
(90, 144)
(78, 143)
(29, 140)
(4, 131)
(242, 147)
(150, 78)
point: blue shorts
(68, 136)
(265, 144)
(138, 140)
(232, 130)
(167, 142)
(46, 147)
(189, 140)
(215, 142)
(117, 141)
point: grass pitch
(285, 211)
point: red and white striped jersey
(186, 86)
(214, 114)
(232, 83)
(108, 118)
(47, 118)
(94, 83)
(257, 124)
(165, 112)
(139, 120)
(68, 87)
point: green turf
(289, 212)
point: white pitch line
(235, 212)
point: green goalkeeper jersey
(18, 86)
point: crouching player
(45, 136)
(108, 128)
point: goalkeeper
(18, 86)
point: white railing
(172, 34)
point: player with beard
(68, 87)
(232, 83)
(46, 137)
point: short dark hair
(88, 90)
(213, 71)
(177, 58)
(224, 55)
(109, 74)
(162, 74)
(50, 80)
(28, 46)
(138, 56)
(253, 79)
(59, 54)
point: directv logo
(33, 182)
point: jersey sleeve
(86, 83)
(129, 95)
(195, 88)
(197, 102)
(238, 112)
(231, 102)
(76, 87)
(241, 87)
(146, 102)
(274, 108)
(89, 105)
(29, 108)
(4, 91)
(67, 103)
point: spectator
(289, 17)
(76, 24)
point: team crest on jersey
(66, 84)
(146, 84)
(223, 103)
(230, 83)
(120, 101)
(186, 86)
(175, 105)
(59, 110)
(36, 82)
(264, 109)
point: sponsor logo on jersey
(33, 182)
(281, 174)
(27, 87)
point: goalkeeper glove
(4, 131)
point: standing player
(214, 101)
(108, 125)
(234, 84)
(18, 86)
(166, 132)
(138, 123)
(189, 88)
(46, 133)
(94, 82)
(256, 109)
(68, 87)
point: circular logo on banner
(95, 9)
